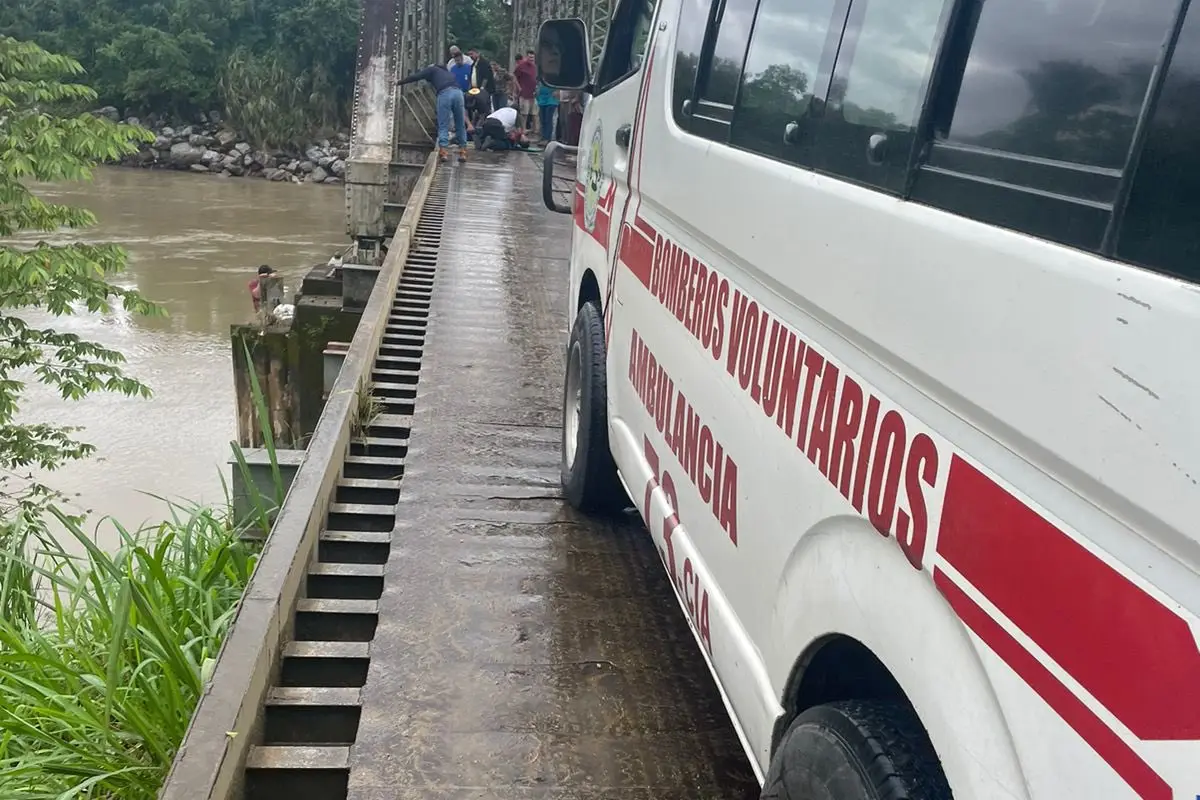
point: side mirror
(562, 54)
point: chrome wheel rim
(573, 407)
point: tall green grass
(104, 652)
(103, 655)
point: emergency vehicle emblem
(593, 179)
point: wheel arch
(835, 667)
(862, 624)
(589, 291)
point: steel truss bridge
(394, 129)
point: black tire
(856, 751)
(589, 480)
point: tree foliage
(485, 24)
(39, 142)
(180, 57)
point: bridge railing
(228, 720)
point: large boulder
(243, 147)
(319, 174)
(338, 168)
(227, 137)
(184, 155)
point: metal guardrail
(228, 720)
(558, 177)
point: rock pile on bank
(207, 146)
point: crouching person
(499, 131)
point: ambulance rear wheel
(589, 474)
(856, 751)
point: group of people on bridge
(497, 109)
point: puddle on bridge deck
(522, 651)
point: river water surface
(194, 243)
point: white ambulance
(886, 317)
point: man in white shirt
(499, 131)
(457, 58)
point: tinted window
(1060, 79)
(626, 41)
(889, 62)
(693, 20)
(783, 72)
(878, 89)
(641, 31)
(729, 51)
(1161, 228)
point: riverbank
(208, 146)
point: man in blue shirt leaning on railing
(449, 106)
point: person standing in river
(264, 271)
(450, 109)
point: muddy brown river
(194, 243)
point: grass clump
(103, 655)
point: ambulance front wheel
(589, 474)
(854, 750)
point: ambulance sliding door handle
(623, 135)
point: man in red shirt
(264, 271)
(526, 74)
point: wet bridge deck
(459, 633)
(521, 651)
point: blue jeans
(450, 110)
(547, 121)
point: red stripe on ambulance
(1138, 658)
(600, 230)
(1118, 755)
(638, 253)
